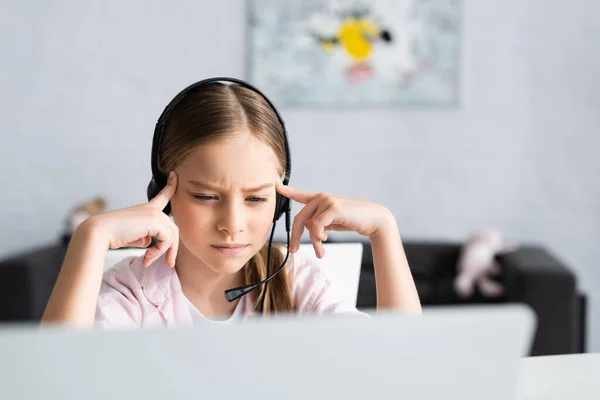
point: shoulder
(306, 276)
(120, 290)
(314, 291)
(127, 270)
(130, 275)
(128, 288)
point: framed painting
(326, 53)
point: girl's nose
(232, 219)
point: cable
(264, 293)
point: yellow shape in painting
(355, 36)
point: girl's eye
(257, 199)
(203, 198)
(250, 199)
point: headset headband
(157, 139)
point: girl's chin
(227, 264)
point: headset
(282, 203)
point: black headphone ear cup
(277, 213)
(282, 204)
(152, 190)
(279, 200)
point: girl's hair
(215, 111)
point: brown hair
(214, 111)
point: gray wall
(81, 86)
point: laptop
(467, 353)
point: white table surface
(571, 377)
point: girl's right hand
(134, 226)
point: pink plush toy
(476, 264)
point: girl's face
(226, 197)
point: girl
(224, 150)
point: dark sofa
(532, 275)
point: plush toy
(476, 264)
(81, 212)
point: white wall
(81, 86)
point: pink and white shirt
(134, 296)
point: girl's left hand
(327, 212)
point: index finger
(301, 196)
(164, 196)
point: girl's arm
(75, 294)
(395, 286)
(323, 212)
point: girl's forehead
(237, 149)
(237, 158)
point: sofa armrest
(26, 282)
(537, 278)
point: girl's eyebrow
(216, 189)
